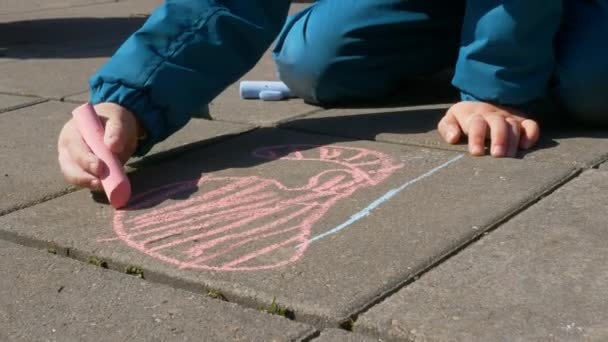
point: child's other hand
(78, 164)
(507, 128)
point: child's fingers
(80, 153)
(514, 135)
(476, 130)
(115, 136)
(74, 174)
(449, 129)
(499, 135)
(530, 134)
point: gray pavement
(46, 297)
(416, 125)
(305, 190)
(540, 277)
(341, 219)
(10, 102)
(28, 139)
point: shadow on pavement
(66, 37)
(188, 162)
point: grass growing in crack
(276, 309)
(135, 271)
(97, 262)
(216, 294)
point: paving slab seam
(177, 152)
(161, 156)
(194, 287)
(299, 116)
(147, 275)
(23, 95)
(47, 98)
(585, 165)
(269, 125)
(595, 163)
(312, 336)
(38, 200)
(23, 105)
(198, 288)
(599, 162)
(237, 296)
(65, 98)
(455, 250)
(75, 283)
(303, 130)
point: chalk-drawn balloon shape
(252, 222)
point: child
(512, 58)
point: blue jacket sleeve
(186, 53)
(506, 53)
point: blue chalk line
(390, 194)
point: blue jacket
(189, 51)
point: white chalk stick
(271, 95)
(252, 89)
(114, 180)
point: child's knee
(326, 81)
(334, 52)
(301, 69)
(310, 58)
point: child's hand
(78, 164)
(507, 128)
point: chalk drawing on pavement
(252, 222)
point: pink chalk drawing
(248, 223)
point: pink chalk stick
(114, 180)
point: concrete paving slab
(79, 98)
(51, 53)
(540, 277)
(10, 102)
(49, 77)
(604, 166)
(324, 226)
(584, 147)
(29, 172)
(195, 134)
(28, 138)
(44, 33)
(50, 298)
(416, 125)
(337, 335)
(228, 106)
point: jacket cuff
(136, 101)
(468, 97)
